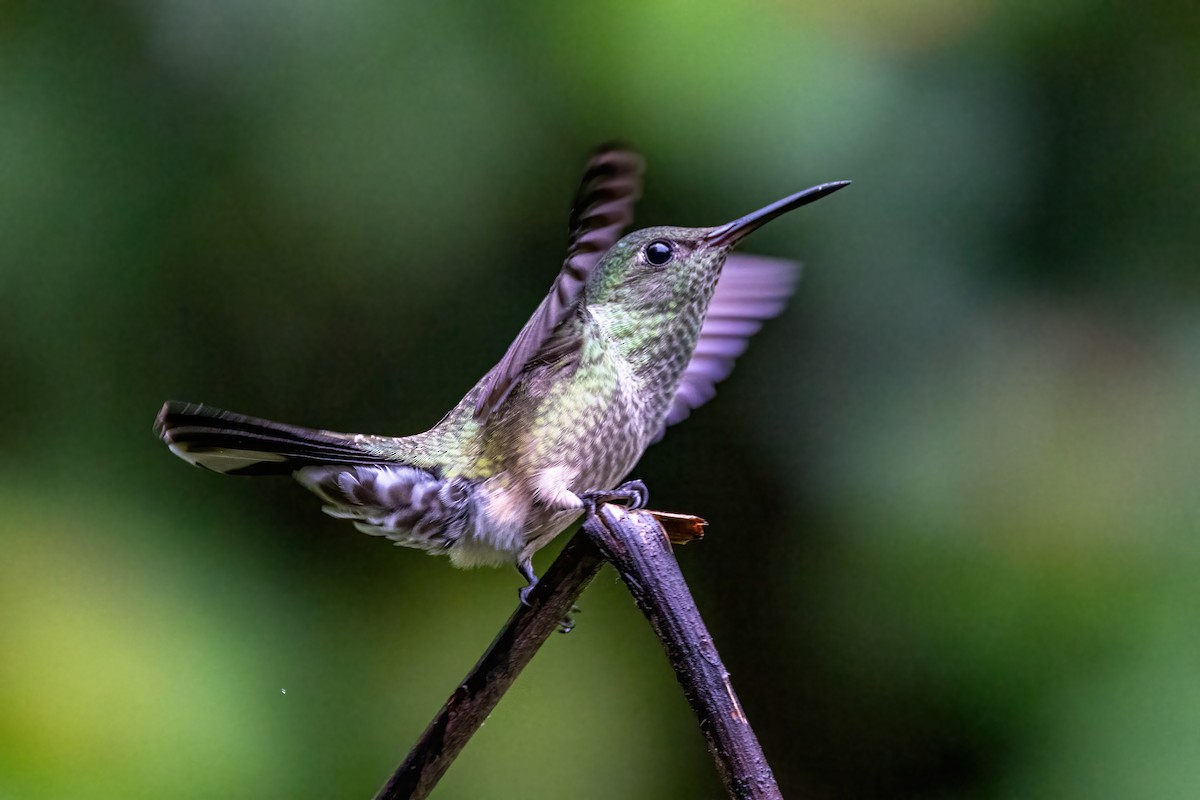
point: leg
(525, 567)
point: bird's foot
(567, 623)
(632, 494)
(526, 569)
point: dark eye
(659, 252)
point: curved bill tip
(733, 232)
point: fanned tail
(411, 506)
(235, 444)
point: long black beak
(730, 234)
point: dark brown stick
(526, 631)
(637, 546)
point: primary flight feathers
(603, 208)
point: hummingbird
(634, 334)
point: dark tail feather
(235, 444)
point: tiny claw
(526, 569)
(632, 494)
(523, 593)
(567, 623)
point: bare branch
(635, 543)
(526, 630)
(639, 546)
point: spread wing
(612, 183)
(751, 289)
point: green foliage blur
(952, 491)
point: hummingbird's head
(667, 269)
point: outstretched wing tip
(751, 290)
(603, 208)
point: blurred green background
(952, 491)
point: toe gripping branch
(631, 494)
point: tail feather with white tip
(235, 444)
